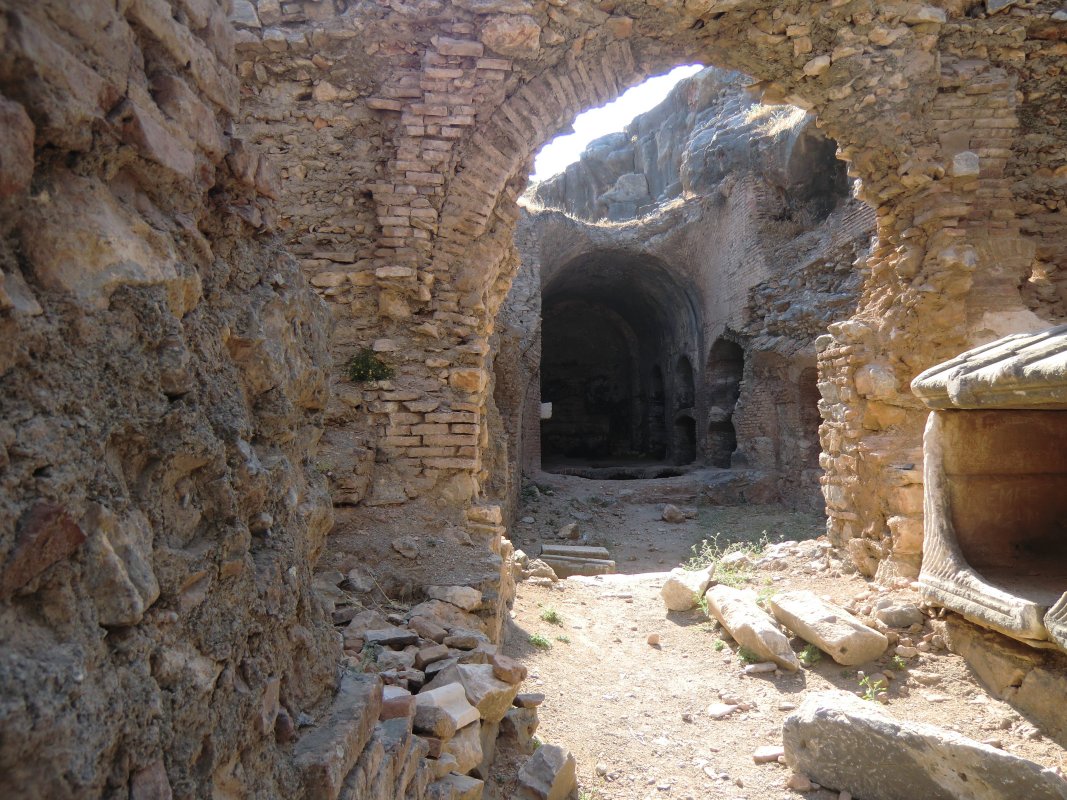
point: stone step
(565, 566)
(575, 551)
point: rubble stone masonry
(168, 428)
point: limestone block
(469, 380)
(463, 597)
(508, 669)
(848, 744)
(683, 588)
(488, 734)
(445, 615)
(442, 711)
(550, 774)
(817, 66)
(1025, 676)
(515, 36)
(141, 125)
(151, 783)
(829, 627)
(466, 747)
(750, 626)
(456, 787)
(491, 696)
(876, 381)
(898, 615)
(520, 724)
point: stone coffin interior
(995, 486)
(1006, 478)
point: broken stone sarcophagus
(995, 486)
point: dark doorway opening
(612, 326)
(685, 434)
(726, 367)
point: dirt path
(635, 715)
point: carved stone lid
(1025, 370)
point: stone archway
(922, 113)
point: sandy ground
(635, 716)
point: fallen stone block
(397, 703)
(327, 753)
(684, 588)
(456, 787)
(463, 597)
(847, 744)
(829, 627)
(898, 615)
(444, 615)
(442, 711)
(566, 566)
(750, 625)
(539, 569)
(550, 774)
(491, 696)
(508, 669)
(391, 637)
(466, 747)
(520, 724)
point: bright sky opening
(589, 125)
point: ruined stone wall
(762, 263)
(404, 132)
(162, 380)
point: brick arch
(921, 102)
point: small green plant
(871, 689)
(810, 655)
(564, 639)
(551, 616)
(369, 657)
(747, 656)
(540, 642)
(765, 595)
(702, 603)
(366, 366)
(728, 571)
(898, 663)
(535, 742)
(719, 645)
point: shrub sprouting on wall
(366, 366)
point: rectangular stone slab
(848, 744)
(564, 567)
(575, 551)
(829, 627)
